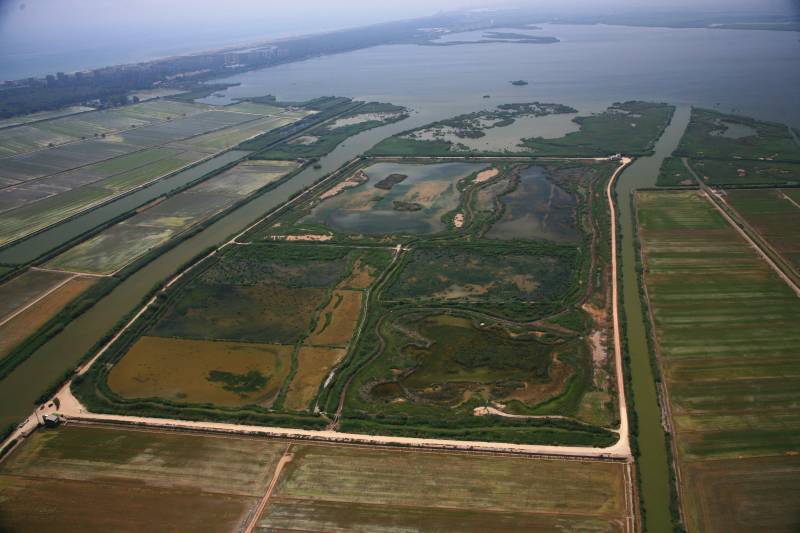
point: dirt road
(284, 460)
(624, 442)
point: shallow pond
(414, 205)
(537, 209)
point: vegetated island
(390, 181)
(406, 206)
(519, 83)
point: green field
(774, 215)
(673, 172)
(727, 345)
(96, 478)
(742, 173)
(122, 243)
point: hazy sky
(41, 36)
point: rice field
(43, 115)
(84, 478)
(774, 214)
(123, 243)
(27, 287)
(727, 340)
(96, 478)
(27, 322)
(326, 488)
(121, 149)
(232, 136)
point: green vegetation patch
(742, 173)
(629, 127)
(255, 293)
(714, 135)
(515, 281)
(673, 173)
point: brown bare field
(183, 369)
(25, 288)
(93, 478)
(338, 319)
(361, 277)
(359, 489)
(27, 322)
(55, 505)
(314, 364)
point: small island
(519, 83)
(390, 181)
(406, 206)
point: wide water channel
(653, 464)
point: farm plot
(122, 243)
(62, 158)
(727, 341)
(414, 202)
(774, 215)
(27, 287)
(23, 139)
(43, 115)
(356, 489)
(27, 322)
(255, 108)
(83, 478)
(232, 136)
(183, 128)
(713, 135)
(519, 282)
(74, 127)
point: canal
(653, 466)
